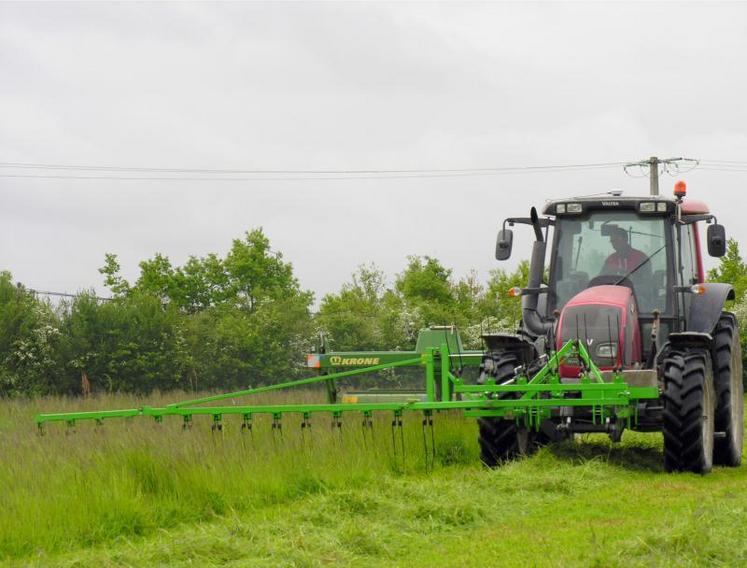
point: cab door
(686, 267)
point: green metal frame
(530, 399)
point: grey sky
(348, 86)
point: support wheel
(689, 411)
(501, 440)
(727, 380)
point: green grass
(136, 493)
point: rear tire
(500, 439)
(727, 380)
(689, 411)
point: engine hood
(605, 319)
(618, 296)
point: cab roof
(689, 206)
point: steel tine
(217, 425)
(402, 440)
(425, 444)
(397, 425)
(246, 424)
(277, 428)
(433, 439)
(430, 453)
(367, 424)
(337, 424)
(394, 440)
(306, 429)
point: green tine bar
(618, 394)
(552, 364)
(298, 383)
(93, 415)
(445, 372)
(584, 354)
(430, 379)
(596, 393)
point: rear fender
(688, 339)
(524, 350)
(706, 308)
(682, 342)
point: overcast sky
(348, 86)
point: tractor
(619, 332)
(624, 278)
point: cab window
(609, 244)
(689, 274)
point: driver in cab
(625, 259)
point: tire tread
(685, 376)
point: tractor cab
(648, 246)
(613, 245)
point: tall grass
(138, 493)
(66, 490)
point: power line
(286, 178)
(318, 175)
(737, 162)
(102, 299)
(66, 294)
(727, 170)
(724, 165)
(314, 172)
(652, 168)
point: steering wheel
(610, 279)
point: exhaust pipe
(532, 320)
(534, 218)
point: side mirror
(504, 244)
(716, 238)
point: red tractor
(626, 279)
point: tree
(251, 273)
(731, 269)
(112, 278)
(29, 333)
(131, 344)
(351, 318)
(157, 278)
(504, 311)
(427, 292)
(256, 274)
(200, 284)
(232, 348)
(237, 320)
(243, 318)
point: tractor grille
(598, 328)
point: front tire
(500, 439)
(727, 379)
(689, 411)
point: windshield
(607, 246)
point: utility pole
(653, 164)
(653, 174)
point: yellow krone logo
(338, 361)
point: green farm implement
(527, 402)
(620, 333)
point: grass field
(136, 493)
